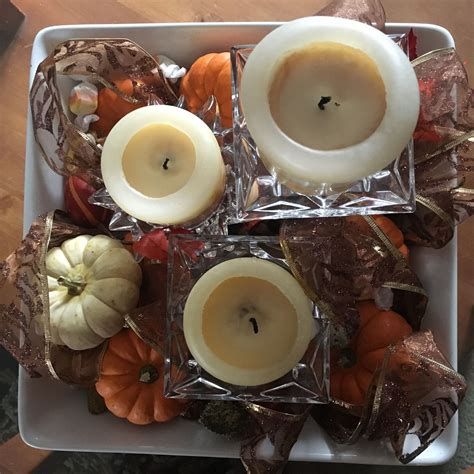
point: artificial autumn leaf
(424, 130)
(154, 244)
(425, 133)
(426, 87)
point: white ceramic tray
(54, 416)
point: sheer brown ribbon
(365, 11)
(64, 147)
(444, 146)
(281, 426)
(24, 328)
(397, 406)
(334, 262)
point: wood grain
(455, 15)
(18, 458)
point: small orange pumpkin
(390, 229)
(209, 75)
(111, 107)
(352, 368)
(131, 381)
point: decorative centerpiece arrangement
(222, 256)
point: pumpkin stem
(148, 374)
(74, 287)
(347, 358)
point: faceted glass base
(190, 257)
(259, 195)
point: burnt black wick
(325, 99)
(165, 163)
(254, 324)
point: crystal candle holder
(257, 194)
(190, 257)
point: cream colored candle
(248, 322)
(163, 165)
(328, 100)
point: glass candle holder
(190, 257)
(258, 194)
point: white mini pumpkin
(93, 282)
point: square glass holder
(190, 256)
(257, 193)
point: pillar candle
(163, 165)
(328, 100)
(247, 321)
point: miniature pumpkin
(393, 233)
(210, 75)
(388, 226)
(93, 282)
(354, 366)
(131, 381)
(111, 107)
(76, 200)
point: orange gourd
(353, 367)
(390, 229)
(131, 381)
(111, 107)
(209, 75)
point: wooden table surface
(455, 15)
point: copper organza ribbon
(414, 394)
(335, 262)
(430, 393)
(24, 312)
(444, 150)
(64, 147)
(416, 391)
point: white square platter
(54, 416)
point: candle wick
(325, 99)
(254, 324)
(337, 104)
(165, 163)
